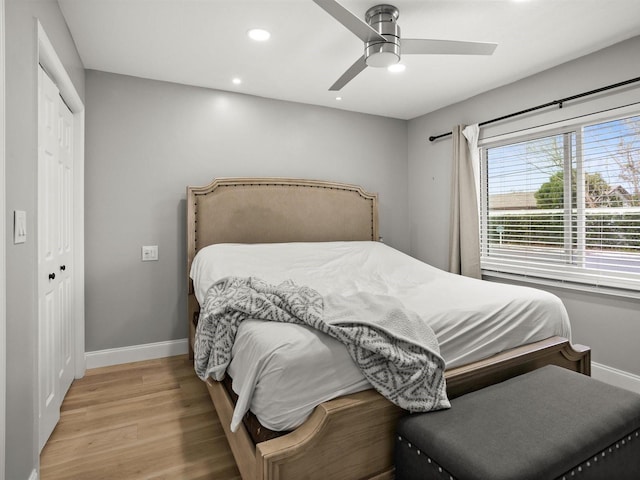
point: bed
(350, 436)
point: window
(565, 205)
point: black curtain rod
(545, 105)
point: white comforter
(282, 371)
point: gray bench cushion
(540, 425)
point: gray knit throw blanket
(397, 351)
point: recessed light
(236, 81)
(259, 34)
(339, 99)
(397, 68)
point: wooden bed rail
(519, 360)
(345, 436)
(353, 436)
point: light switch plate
(19, 226)
(149, 253)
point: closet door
(55, 252)
(65, 246)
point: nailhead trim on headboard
(293, 183)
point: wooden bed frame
(350, 437)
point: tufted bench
(551, 423)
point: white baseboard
(151, 351)
(616, 377)
(136, 353)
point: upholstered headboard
(270, 210)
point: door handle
(52, 276)
(63, 267)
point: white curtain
(464, 230)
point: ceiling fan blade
(362, 30)
(446, 47)
(349, 75)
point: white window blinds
(565, 206)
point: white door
(64, 246)
(55, 269)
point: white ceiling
(204, 43)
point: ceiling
(204, 43)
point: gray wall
(147, 140)
(610, 325)
(21, 182)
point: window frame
(572, 276)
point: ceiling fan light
(382, 54)
(382, 59)
(259, 34)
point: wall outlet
(149, 253)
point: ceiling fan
(382, 43)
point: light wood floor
(144, 420)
